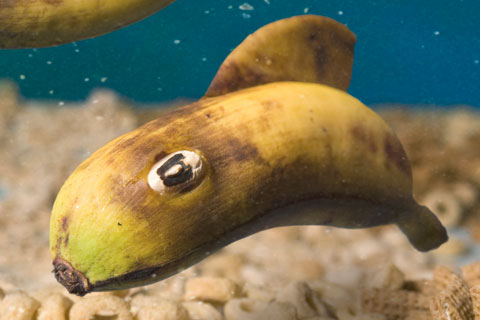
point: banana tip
(73, 280)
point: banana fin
(303, 48)
(423, 229)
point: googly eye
(176, 172)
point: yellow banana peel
(43, 23)
(259, 152)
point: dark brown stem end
(70, 278)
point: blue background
(424, 52)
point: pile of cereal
(386, 295)
(310, 272)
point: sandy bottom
(309, 272)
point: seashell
(453, 300)
(396, 304)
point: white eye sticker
(176, 172)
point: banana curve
(266, 148)
(43, 23)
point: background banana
(43, 23)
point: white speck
(103, 79)
(22, 77)
(86, 79)
(340, 13)
(476, 61)
(306, 10)
(51, 92)
(49, 62)
(61, 103)
(267, 1)
(246, 6)
(206, 11)
(246, 15)
(436, 33)
(77, 50)
(77, 206)
(176, 41)
(230, 7)
(95, 101)
(204, 59)
(30, 55)
(447, 311)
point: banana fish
(276, 141)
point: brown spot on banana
(396, 155)
(304, 48)
(65, 223)
(364, 137)
(44, 23)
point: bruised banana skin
(44, 23)
(285, 153)
(255, 153)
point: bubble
(246, 6)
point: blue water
(424, 52)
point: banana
(43, 23)
(255, 154)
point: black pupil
(184, 174)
